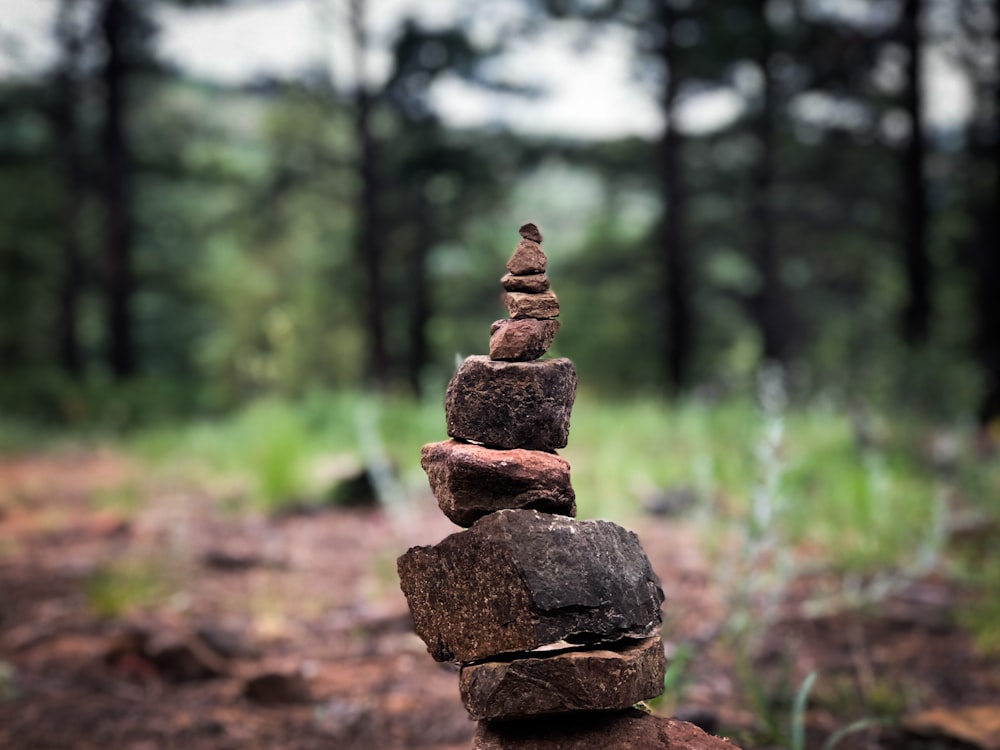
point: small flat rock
(528, 258)
(622, 730)
(532, 283)
(521, 340)
(965, 726)
(531, 232)
(470, 481)
(524, 305)
(590, 680)
(518, 580)
(511, 404)
(277, 689)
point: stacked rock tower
(554, 622)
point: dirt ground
(137, 615)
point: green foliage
(119, 588)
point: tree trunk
(420, 310)
(678, 318)
(988, 271)
(117, 202)
(916, 264)
(69, 168)
(369, 234)
(768, 305)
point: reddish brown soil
(317, 596)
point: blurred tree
(917, 309)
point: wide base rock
(591, 680)
(618, 730)
(470, 481)
(520, 579)
(511, 404)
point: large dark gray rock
(590, 680)
(470, 481)
(511, 404)
(520, 579)
(614, 730)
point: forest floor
(137, 615)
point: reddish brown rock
(470, 481)
(521, 340)
(528, 258)
(590, 680)
(522, 305)
(532, 283)
(530, 232)
(519, 579)
(511, 404)
(621, 730)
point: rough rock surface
(533, 283)
(521, 340)
(523, 305)
(520, 579)
(620, 730)
(590, 680)
(511, 404)
(531, 232)
(470, 481)
(528, 258)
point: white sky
(589, 93)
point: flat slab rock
(511, 404)
(621, 730)
(471, 481)
(521, 305)
(590, 680)
(518, 580)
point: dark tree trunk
(768, 305)
(678, 318)
(369, 234)
(69, 168)
(916, 264)
(420, 310)
(117, 203)
(988, 270)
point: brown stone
(470, 481)
(518, 580)
(530, 232)
(521, 340)
(528, 258)
(621, 730)
(590, 680)
(532, 283)
(522, 305)
(511, 404)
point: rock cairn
(552, 621)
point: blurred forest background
(230, 303)
(171, 244)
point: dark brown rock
(532, 283)
(530, 232)
(590, 680)
(523, 305)
(470, 481)
(521, 340)
(511, 404)
(528, 258)
(278, 689)
(520, 579)
(621, 730)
